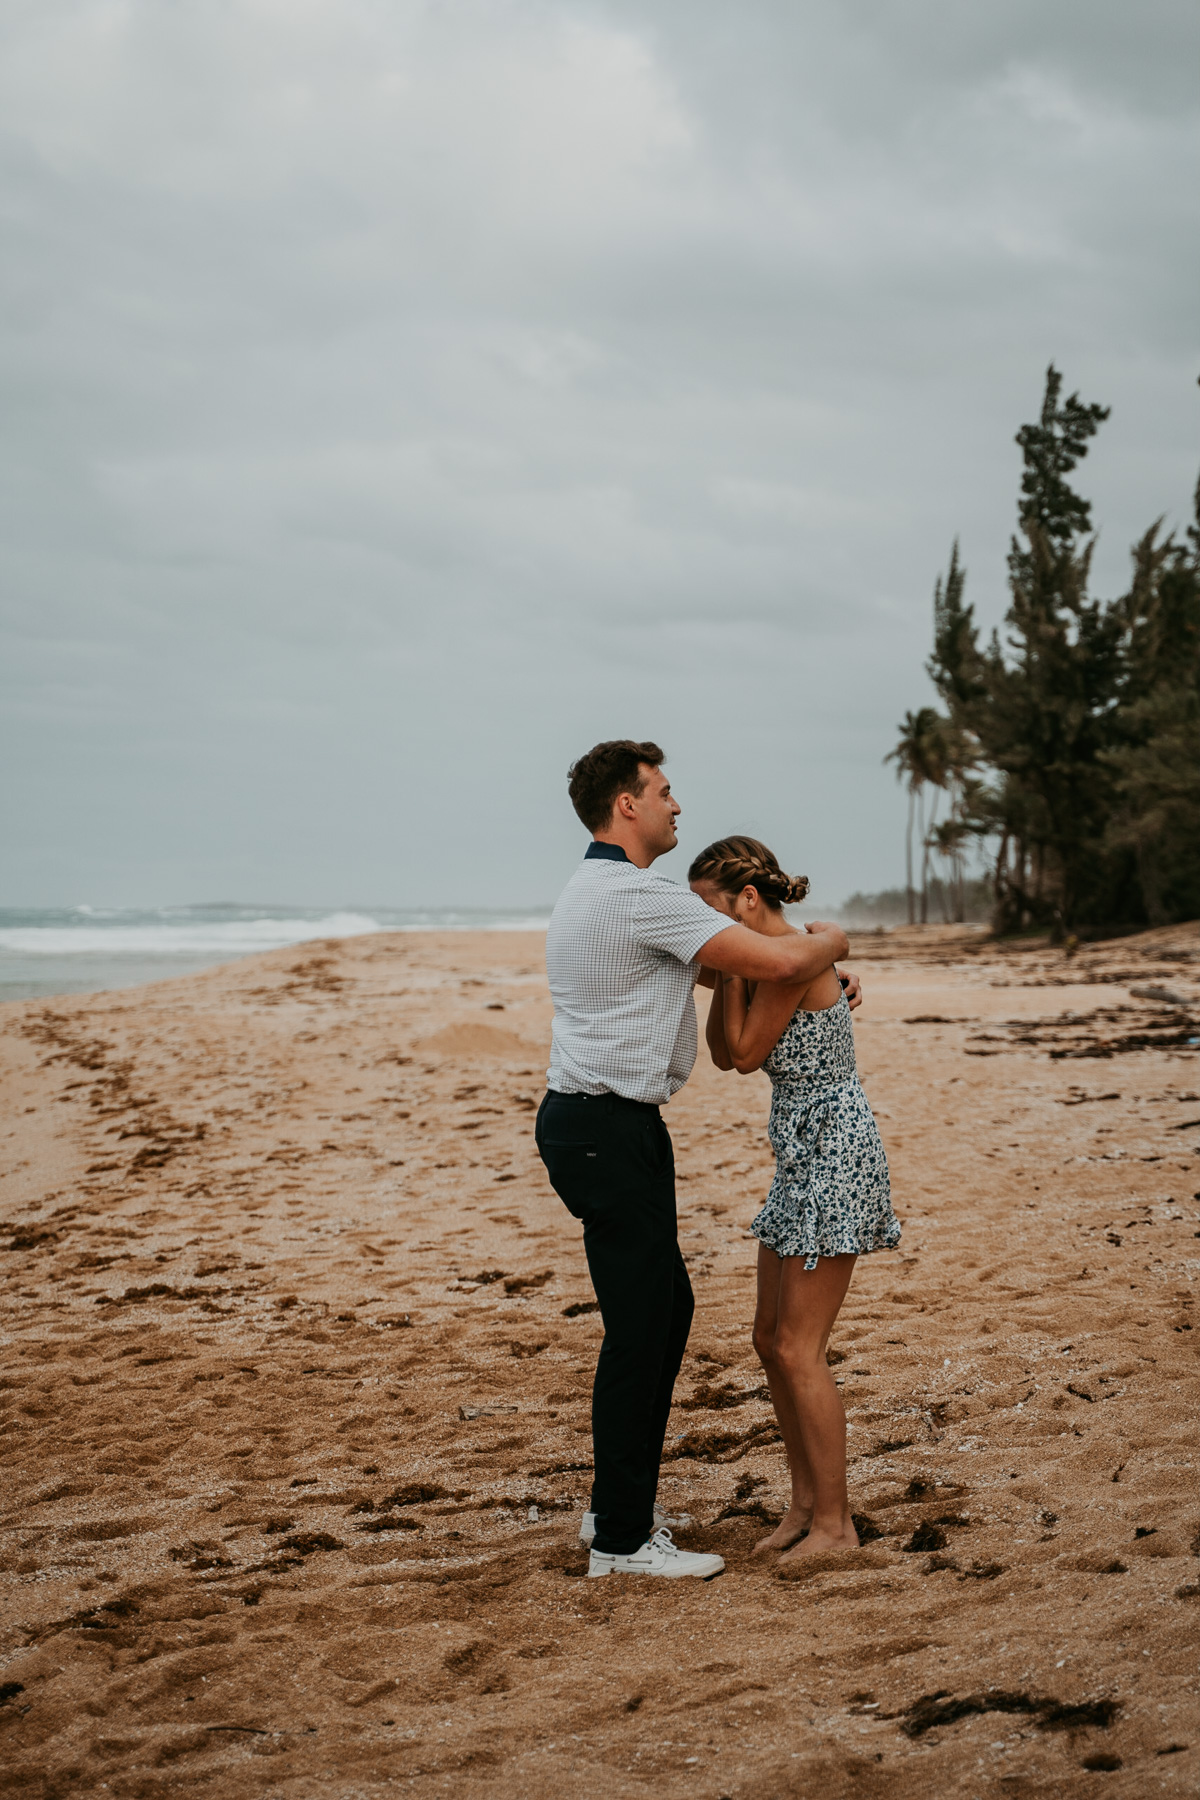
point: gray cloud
(395, 400)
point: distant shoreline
(57, 950)
(53, 951)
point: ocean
(85, 950)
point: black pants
(611, 1162)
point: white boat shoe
(659, 1556)
(587, 1528)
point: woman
(830, 1200)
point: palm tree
(947, 839)
(921, 757)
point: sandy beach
(296, 1357)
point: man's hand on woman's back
(852, 988)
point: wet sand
(296, 1357)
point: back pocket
(573, 1170)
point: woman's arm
(714, 1031)
(753, 1020)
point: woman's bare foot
(822, 1538)
(790, 1529)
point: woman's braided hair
(734, 863)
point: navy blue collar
(607, 852)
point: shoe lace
(663, 1541)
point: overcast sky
(398, 397)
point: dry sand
(297, 1338)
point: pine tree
(1157, 760)
(954, 667)
(1032, 706)
(956, 672)
(1074, 745)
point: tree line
(946, 901)
(1069, 748)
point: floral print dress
(831, 1195)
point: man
(623, 952)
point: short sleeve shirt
(621, 956)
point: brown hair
(597, 780)
(734, 863)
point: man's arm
(739, 951)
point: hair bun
(735, 863)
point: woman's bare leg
(795, 1520)
(808, 1303)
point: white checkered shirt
(620, 954)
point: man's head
(621, 794)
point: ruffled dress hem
(783, 1243)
